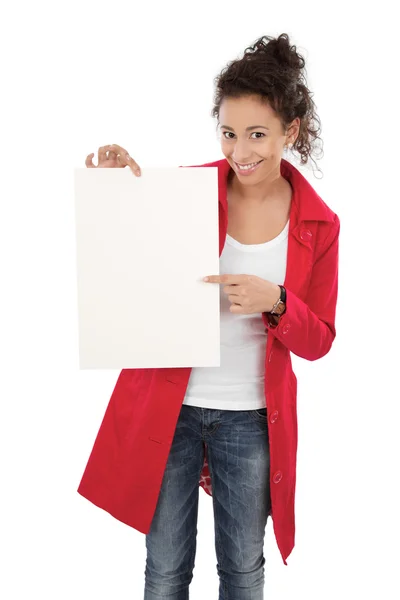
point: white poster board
(143, 246)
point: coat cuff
(294, 308)
(300, 330)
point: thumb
(89, 161)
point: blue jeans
(238, 457)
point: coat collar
(307, 204)
(307, 209)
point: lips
(253, 164)
(248, 171)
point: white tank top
(239, 383)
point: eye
(254, 133)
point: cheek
(272, 153)
(226, 146)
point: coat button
(286, 328)
(277, 477)
(306, 234)
(274, 416)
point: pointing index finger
(229, 279)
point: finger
(232, 289)
(118, 149)
(133, 165)
(237, 309)
(234, 299)
(124, 159)
(229, 279)
(102, 153)
(89, 161)
(122, 162)
(112, 155)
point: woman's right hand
(113, 156)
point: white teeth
(247, 166)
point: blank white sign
(144, 245)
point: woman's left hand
(248, 294)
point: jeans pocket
(259, 414)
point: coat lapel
(307, 209)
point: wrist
(279, 307)
(277, 293)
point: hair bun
(279, 50)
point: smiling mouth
(248, 167)
(247, 164)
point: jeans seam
(216, 522)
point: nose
(239, 153)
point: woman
(233, 429)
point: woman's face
(251, 132)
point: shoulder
(314, 213)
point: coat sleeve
(308, 328)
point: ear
(293, 131)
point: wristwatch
(280, 306)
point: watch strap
(280, 306)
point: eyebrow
(247, 128)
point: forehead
(247, 110)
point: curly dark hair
(273, 70)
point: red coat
(125, 469)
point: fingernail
(206, 278)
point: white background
(81, 75)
